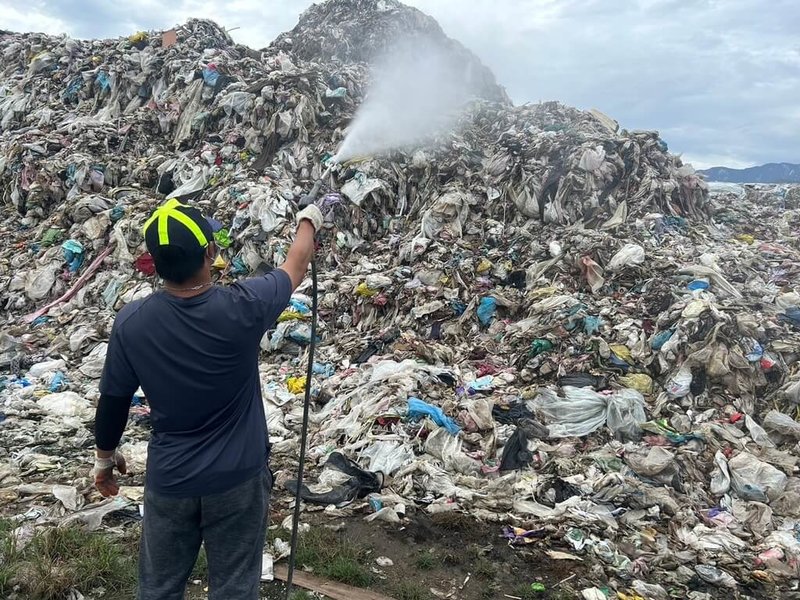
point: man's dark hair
(176, 265)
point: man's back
(196, 360)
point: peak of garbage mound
(361, 31)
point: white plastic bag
(720, 478)
(65, 404)
(39, 282)
(752, 479)
(583, 411)
(781, 424)
(680, 384)
(92, 365)
(757, 433)
(387, 457)
(631, 255)
(46, 368)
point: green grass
(200, 570)
(58, 559)
(303, 595)
(7, 557)
(409, 590)
(334, 556)
(484, 568)
(426, 560)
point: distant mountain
(769, 173)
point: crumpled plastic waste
(582, 411)
(357, 483)
(418, 409)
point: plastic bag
(680, 384)
(752, 479)
(781, 424)
(661, 338)
(715, 576)
(92, 365)
(631, 255)
(447, 448)
(515, 453)
(486, 310)
(40, 282)
(418, 409)
(387, 457)
(583, 411)
(46, 367)
(641, 382)
(720, 478)
(65, 404)
(593, 273)
(757, 433)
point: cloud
(719, 79)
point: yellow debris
(365, 291)
(219, 263)
(139, 36)
(296, 385)
(746, 238)
(638, 381)
(622, 352)
(484, 266)
(544, 292)
(291, 315)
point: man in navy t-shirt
(193, 348)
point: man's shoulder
(130, 310)
(276, 282)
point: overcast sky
(720, 79)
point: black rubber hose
(304, 429)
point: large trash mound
(539, 319)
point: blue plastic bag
(324, 369)
(481, 384)
(791, 315)
(58, 382)
(698, 285)
(73, 254)
(418, 409)
(661, 338)
(591, 325)
(103, 80)
(486, 310)
(210, 76)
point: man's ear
(211, 252)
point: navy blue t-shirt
(196, 359)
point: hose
(311, 197)
(304, 429)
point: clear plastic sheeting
(582, 411)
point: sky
(719, 79)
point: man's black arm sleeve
(110, 420)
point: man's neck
(189, 288)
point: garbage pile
(541, 319)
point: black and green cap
(179, 226)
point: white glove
(312, 214)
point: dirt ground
(470, 561)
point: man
(193, 348)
